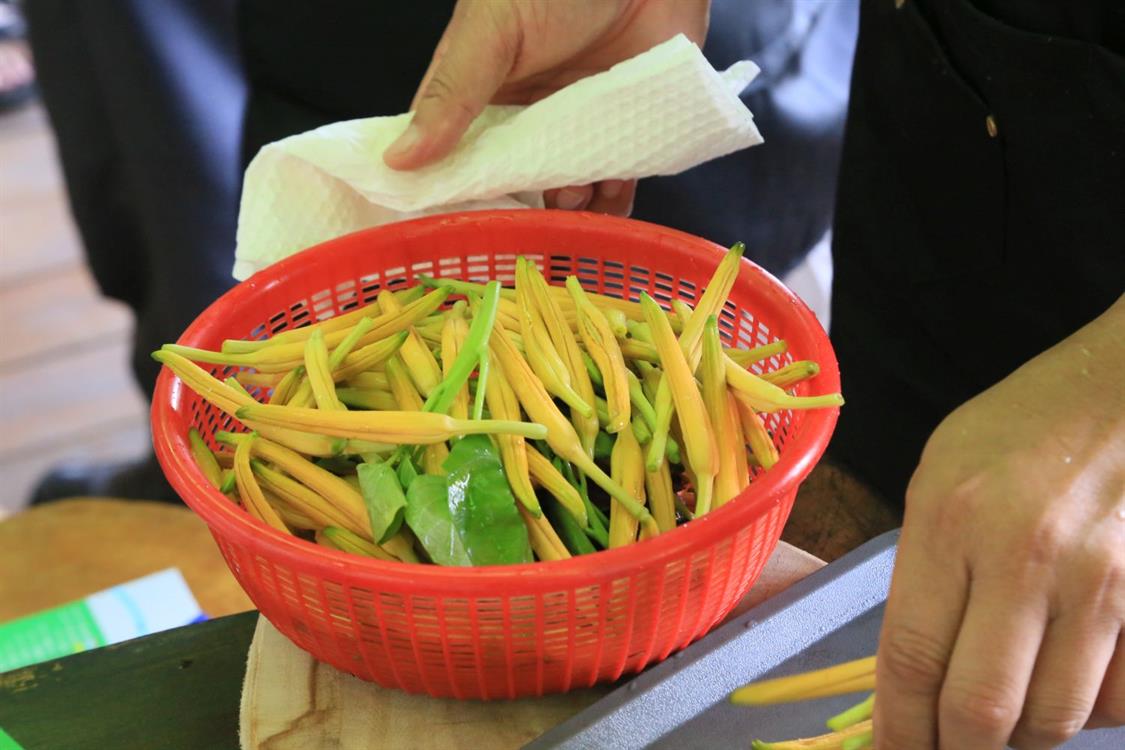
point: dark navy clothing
(980, 216)
(146, 100)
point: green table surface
(176, 689)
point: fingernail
(569, 200)
(404, 144)
(612, 188)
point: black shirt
(1095, 21)
(980, 214)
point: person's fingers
(572, 198)
(986, 682)
(1109, 709)
(613, 197)
(1072, 660)
(928, 594)
(480, 48)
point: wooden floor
(66, 392)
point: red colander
(519, 630)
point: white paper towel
(659, 113)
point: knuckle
(947, 519)
(1108, 595)
(1109, 711)
(985, 709)
(913, 657)
(1046, 539)
(945, 509)
(1054, 723)
(1109, 558)
(1097, 580)
(441, 91)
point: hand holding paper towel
(659, 113)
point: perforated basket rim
(231, 523)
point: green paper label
(50, 634)
(7, 743)
(149, 604)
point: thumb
(471, 62)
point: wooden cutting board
(292, 702)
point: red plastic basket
(520, 630)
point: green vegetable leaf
(482, 504)
(407, 472)
(469, 517)
(429, 517)
(383, 496)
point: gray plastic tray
(832, 616)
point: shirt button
(990, 126)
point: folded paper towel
(659, 113)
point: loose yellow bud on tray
(849, 677)
(852, 729)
